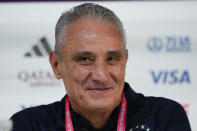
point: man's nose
(100, 73)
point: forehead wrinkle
(91, 37)
(86, 35)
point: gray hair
(84, 10)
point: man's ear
(55, 64)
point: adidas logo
(41, 49)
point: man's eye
(84, 60)
(112, 60)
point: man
(90, 57)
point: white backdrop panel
(161, 39)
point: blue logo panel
(169, 44)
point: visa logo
(170, 77)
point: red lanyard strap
(122, 115)
(68, 120)
(121, 126)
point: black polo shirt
(143, 114)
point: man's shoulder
(33, 112)
(156, 112)
(39, 116)
(161, 102)
(151, 104)
(167, 113)
(162, 107)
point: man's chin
(100, 109)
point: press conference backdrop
(161, 39)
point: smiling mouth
(99, 91)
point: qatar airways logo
(172, 44)
(38, 78)
(170, 77)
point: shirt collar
(80, 122)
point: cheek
(118, 73)
(74, 77)
(77, 74)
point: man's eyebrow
(87, 53)
(116, 53)
(82, 53)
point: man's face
(93, 65)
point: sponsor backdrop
(161, 39)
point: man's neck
(97, 119)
